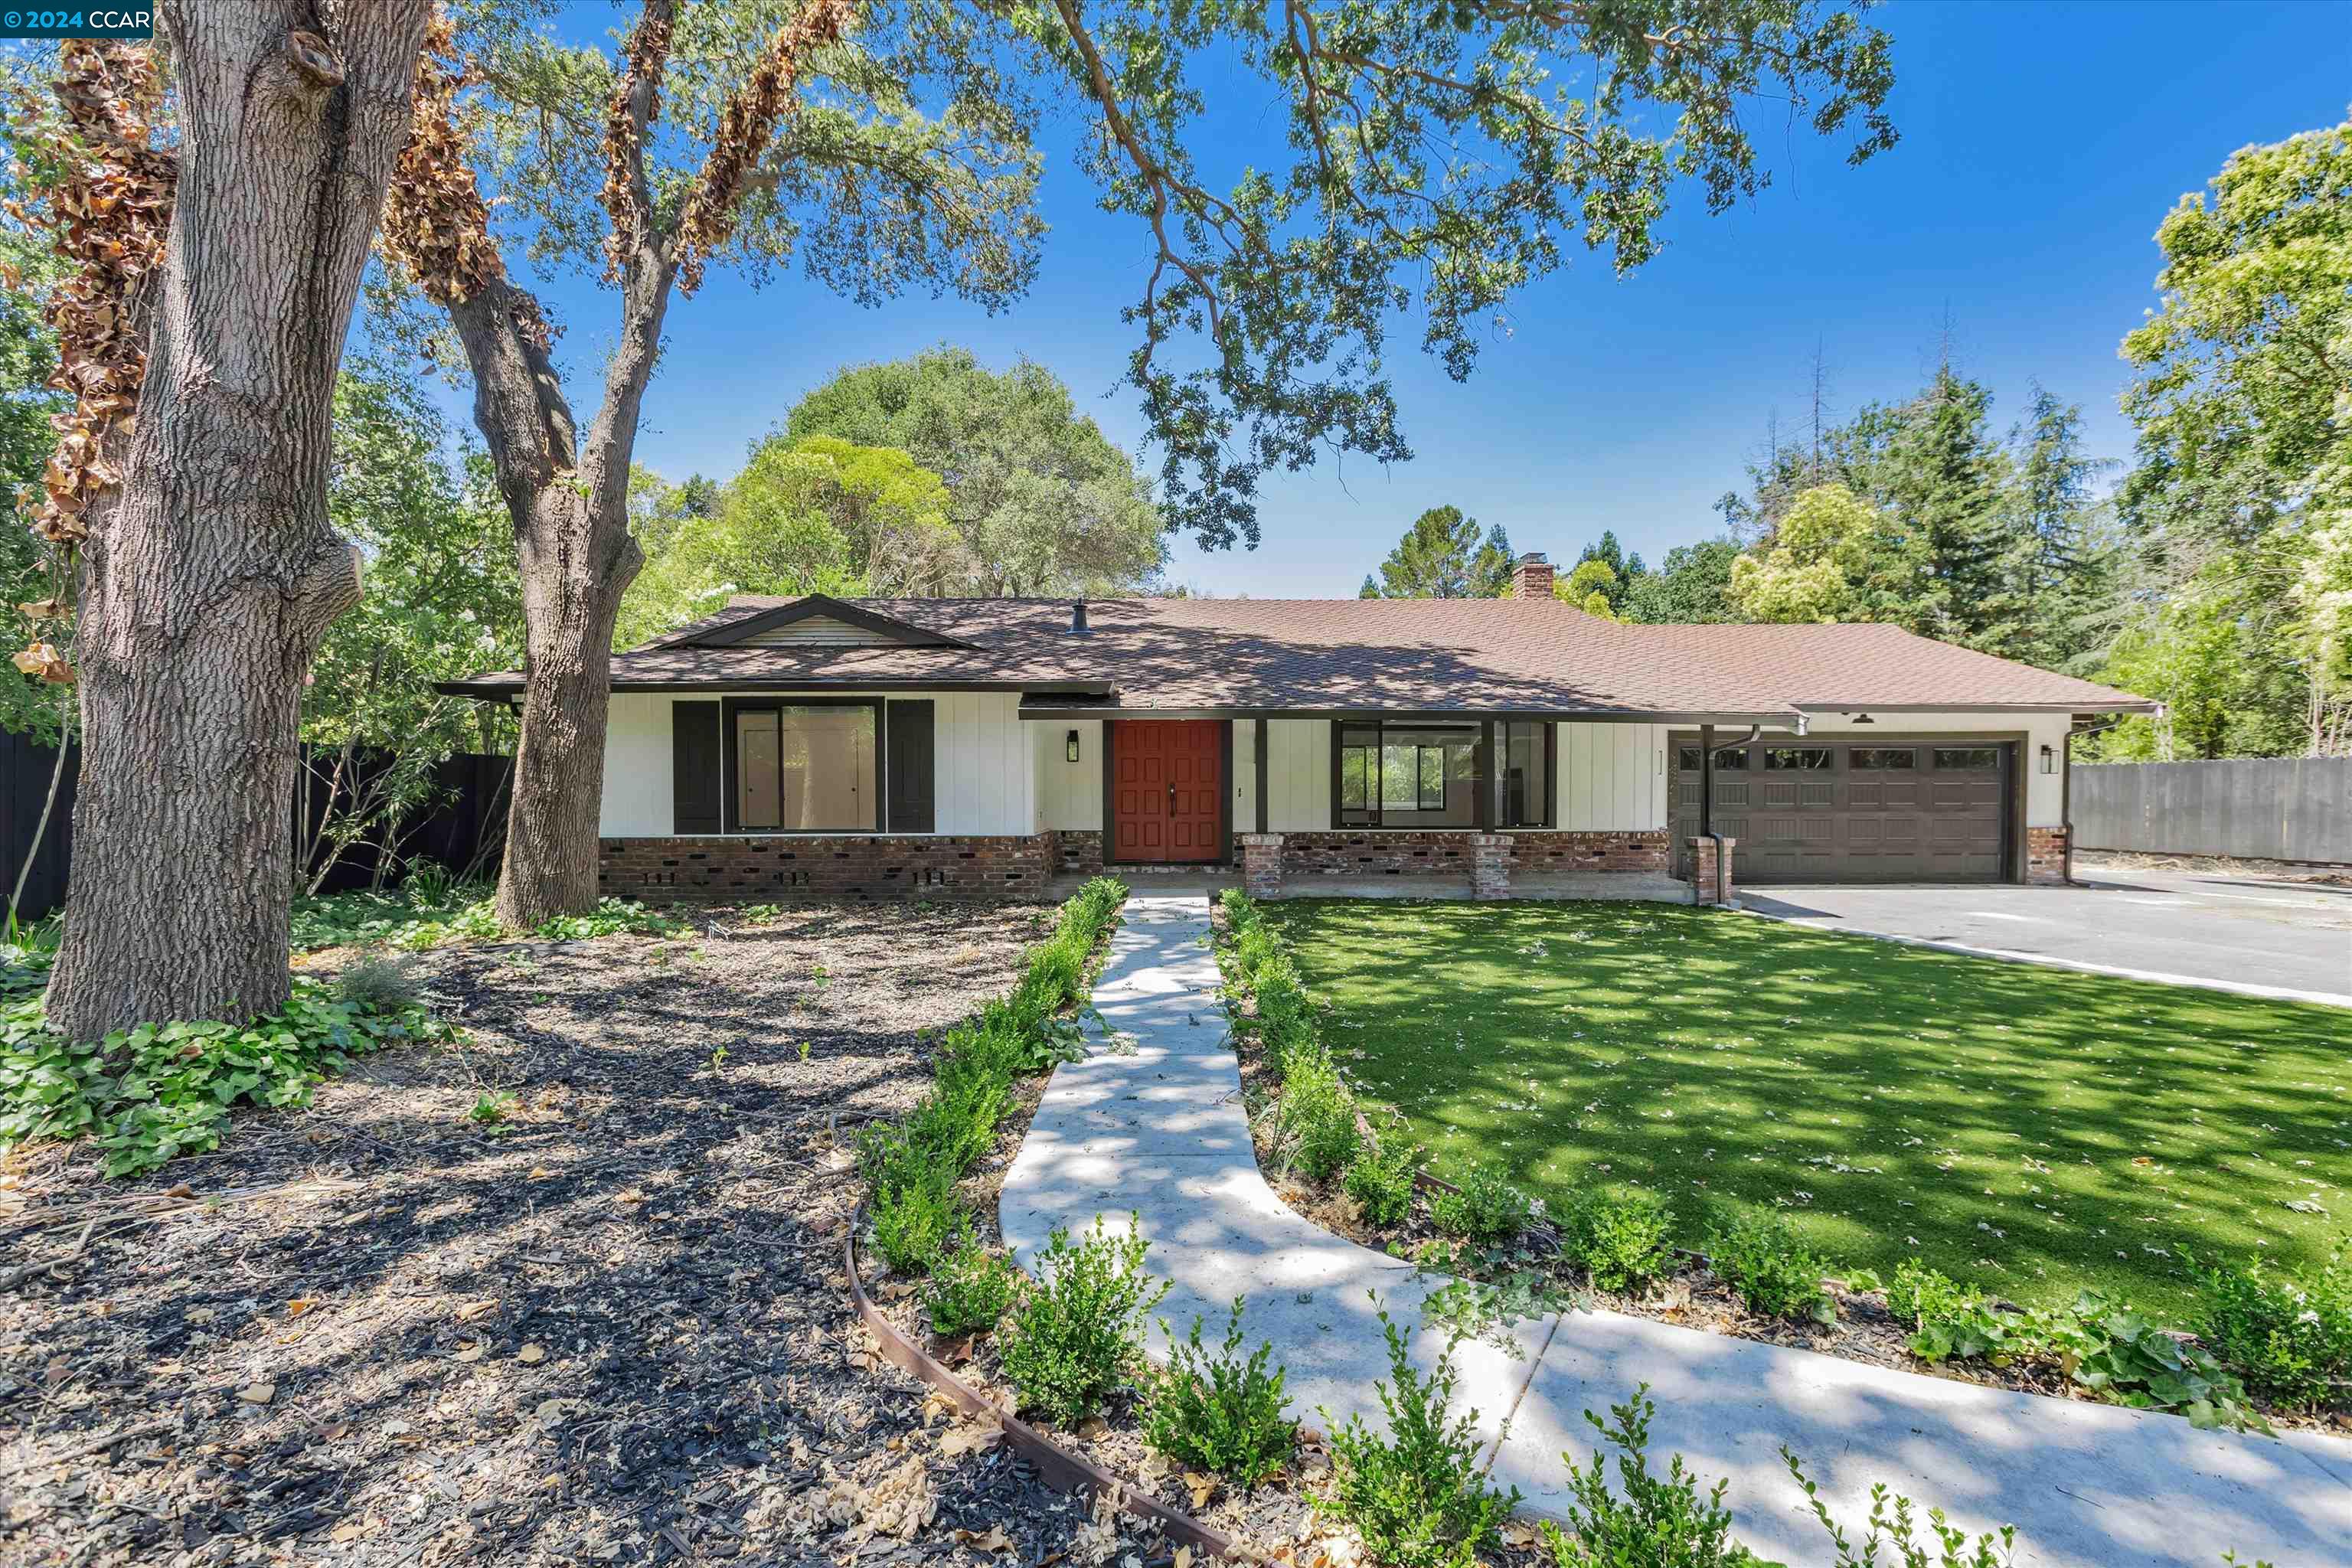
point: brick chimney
(1531, 578)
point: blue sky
(2041, 144)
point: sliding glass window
(1525, 763)
(1406, 776)
(798, 769)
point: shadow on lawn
(2035, 1128)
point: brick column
(2045, 856)
(1262, 865)
(1702, 870)
(1490, 865)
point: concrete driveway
(2245, 933)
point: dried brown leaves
(107, 215)
(435, 223)
(625, 123)
(745, 127)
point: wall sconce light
(2048, 760)
(1863, 719)
(1070, 746)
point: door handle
(1171, 798)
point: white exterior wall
(1612, 777)
(2045, 793)
(1070, 795)
(985, 781)
(1297, 775)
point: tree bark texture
(205, 593)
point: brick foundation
(1537, 850)
(1490, 866)
(1703, 871)
(752, 871)
(1436, 853)
(2046, 855)
(1079, 851)
(1262, 865)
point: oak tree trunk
(207, 591)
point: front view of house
(867, 747)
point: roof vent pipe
(1079, 627)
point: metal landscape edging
(1060, 1469)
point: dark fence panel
(465, 826)
(2264, 808)
(26, 769)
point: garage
(1892, 809)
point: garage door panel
(1911, 811)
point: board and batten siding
(1612, 777)
(984, 768)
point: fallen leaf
(352, 1531)
(541, 1173)
(970, 1439)
(997, 1541)
(299, 1305)
(1093, 1426)
(532, 1355)
(1183, 1558)
(258, 1393)
(472, 1310)
(471, 1353)
(1202, 1486)
(1519, 1532)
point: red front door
(1167, 791)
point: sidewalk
(1152, 1122)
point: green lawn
(2031, 1128)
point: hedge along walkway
(1152, 1122)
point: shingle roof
(1488, 656)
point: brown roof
(1483, 656)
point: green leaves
(154, 1092)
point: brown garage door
(1888, 811)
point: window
(1406, 776)
(796, 769)
(1733, 761)
(1975, 758)
(1883, 759)
(1797, 759)
(1525, 765)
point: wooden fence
(468, 817)
(2260, 809)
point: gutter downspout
(1706, 750)
(2066, 786)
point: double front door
(1167, 790)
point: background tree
(1823, 563)
(783, 136)
(1042, 502)
(207, 570)
(1623, 571)
(1590, 588)
(2231, 601)
(1693, 585)
(816, 516)
(29, 271)
(1442, 556)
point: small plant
(1416, 1495)
(1316, 1115)
(1075, 1339)
(1221, 1413)
(1380, 1179)
(492, 1110)
(913, 1213)
(804, 1050)
(378, 984)
(2288, 1331)
(429, 885)
(609, 918)
(1621, 1242)
(1892, 1525)
(760, 914)
(1487, 1212)
(1657, 1520)
(970, 1286)
(1771, 1269)
(1948, 1319)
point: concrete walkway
(1151, 1124)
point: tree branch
(635, 105)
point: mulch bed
(610, 1328)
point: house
(867, 747)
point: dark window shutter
(695, 778)
(908, 763)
